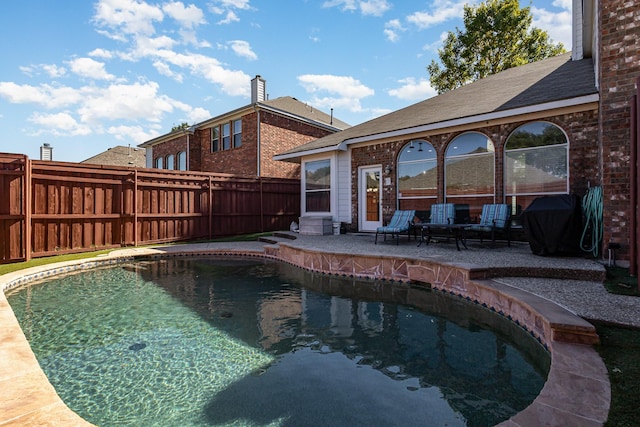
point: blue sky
(84, 75)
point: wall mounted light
(388, 169)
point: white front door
(369, 195)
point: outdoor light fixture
(388, 169)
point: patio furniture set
(442, 223)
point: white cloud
(366, 7)
(229, 18)
(374, 7)
(101, 53)
(59, 124)
(127, 17)
(44, 95)
(348, 5)
(166, 71)
(138, 101)
(90, 68)
(557, 24)
(443, 11)
(413, 90)
(53, 70)
(234, 4)
(136, 134)
(188, 17)
(347, 91)
(243, 49)
(391, 30)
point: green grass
(619, 281)
(620, 350)
(8, 268)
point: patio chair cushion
(398, 223)
(443, 213)
(494, 216)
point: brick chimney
(258, 89)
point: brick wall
(236, 161)
(581, 129)
(173, 146)
(619, 23)
(277, 134)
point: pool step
(277, 237)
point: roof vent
(258, 89)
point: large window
(317, 185)
(226, 136)
(469, 171)
(536, 163)
(417, 175)
(237, 133)
(170, 162)
(215, 139)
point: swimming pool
(253, 342)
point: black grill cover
(553, 225)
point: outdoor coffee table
(457, 231)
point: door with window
(370, 203)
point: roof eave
(495, 115)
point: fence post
(210, 206)
(27, 209)
(135, 207)
(261, 206)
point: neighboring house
(557, 126)
(244, 141)
(119, 156)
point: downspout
(633, 165)
(633, 182)
(188, 150)
(257, 141)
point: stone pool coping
(577, 391)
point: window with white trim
(417, 172)
(237, 133)
(536, 159)
(182, 161)
(317, 186)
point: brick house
(244, 141)
(557, 126)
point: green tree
(181, 126)
(497, 35)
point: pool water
(220, 341)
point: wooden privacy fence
(49, 208)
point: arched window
(182, 161)
(170, 162)
(469, 171)
(417, 175)
(159, 162)
(536, 163)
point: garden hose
(592, 210)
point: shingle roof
(119, 156)
(553, 79)
(283, 105)
(291, 105)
